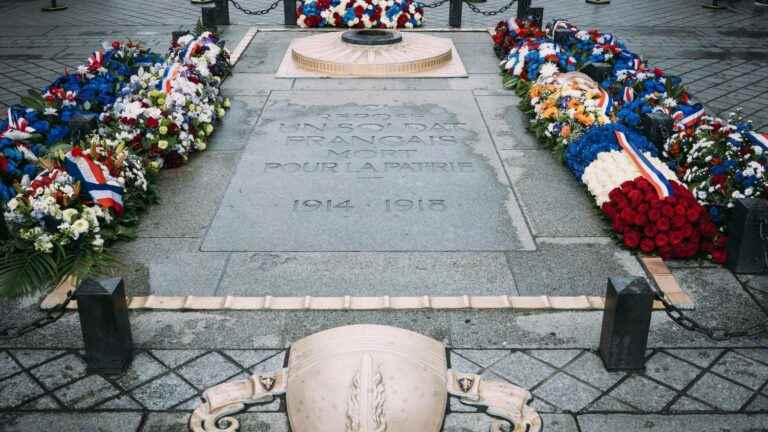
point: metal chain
(247, 11)
(51, 316)
(714, 333)
(438, 3)
(501, 10)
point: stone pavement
(49, 388)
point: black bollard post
(103, 312)
(626, 321)
(522, 8)
(210, 16)
(657, 126)
(535, 16)
(289, 10)
(747, 236)
(54, 7)
(222, 12)
(81, 124)
(454, 13)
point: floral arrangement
(359, 13)
(654, 205)
(66, 195)
(564, 106)
(720, 160)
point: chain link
(247, 11)
(438, 3)
(51, 316)
(501, 10)
(714, 333)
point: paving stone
(760, 403)
(30, 358)
(175, 265)
(720, 393)
(71, 422)
(143, 367)
(238, 124)
(270, 365)
(567, 393)
(522, 370)
(553, 200)
(163, 392)
(672, 423)
(249, 422)
(643, 393)
(476, 422)
(208, 370)
(248, 358)
(86, 392)
(18, 389)
(608, 403)
(42, 403)
(700, 357)
(484, 358)
(8, 367)
(206, 175)
(558, 358)
(573, 266)
(459, 363)
(759, 354)
(407, 274)
(120, 403)
(670, 371)
(60, 371)
(742, 370)
(589, 367)
(173, 358)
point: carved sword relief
(365, 406)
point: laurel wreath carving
(370, 418)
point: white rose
(80, 226)
(69, 214)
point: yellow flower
(162, 144)
(163, 130)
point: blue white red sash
(605, 102)
(103, 189)
(95, 61)
(637, 64)
(649, 172)
(18, 128)
(757, 138)
(171, 73)
(682, 121)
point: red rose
(115, 44)
(359, 11)
(640, 219)
(627, 215)
(152, 122)
(631, 239)
(662, 224)
(675, 238)
(647, 245)
(654, 215)
(721, 241)
(719, 256)
(693, 214)
(667, 210)
(708, 229)
(401, 20)
(678, 221)
(661, 240)
(658, 72)
(680, 210)
(618, 226)
(650, 231)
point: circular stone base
(328, 53)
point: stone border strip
(656, 267)
(242, 45)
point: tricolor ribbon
(605, 103)
(649, 172)
(682, 121)
(637, 64)
(102, 188)
(18, 128)
(95, 61)
(757, 138)
(171, 73)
